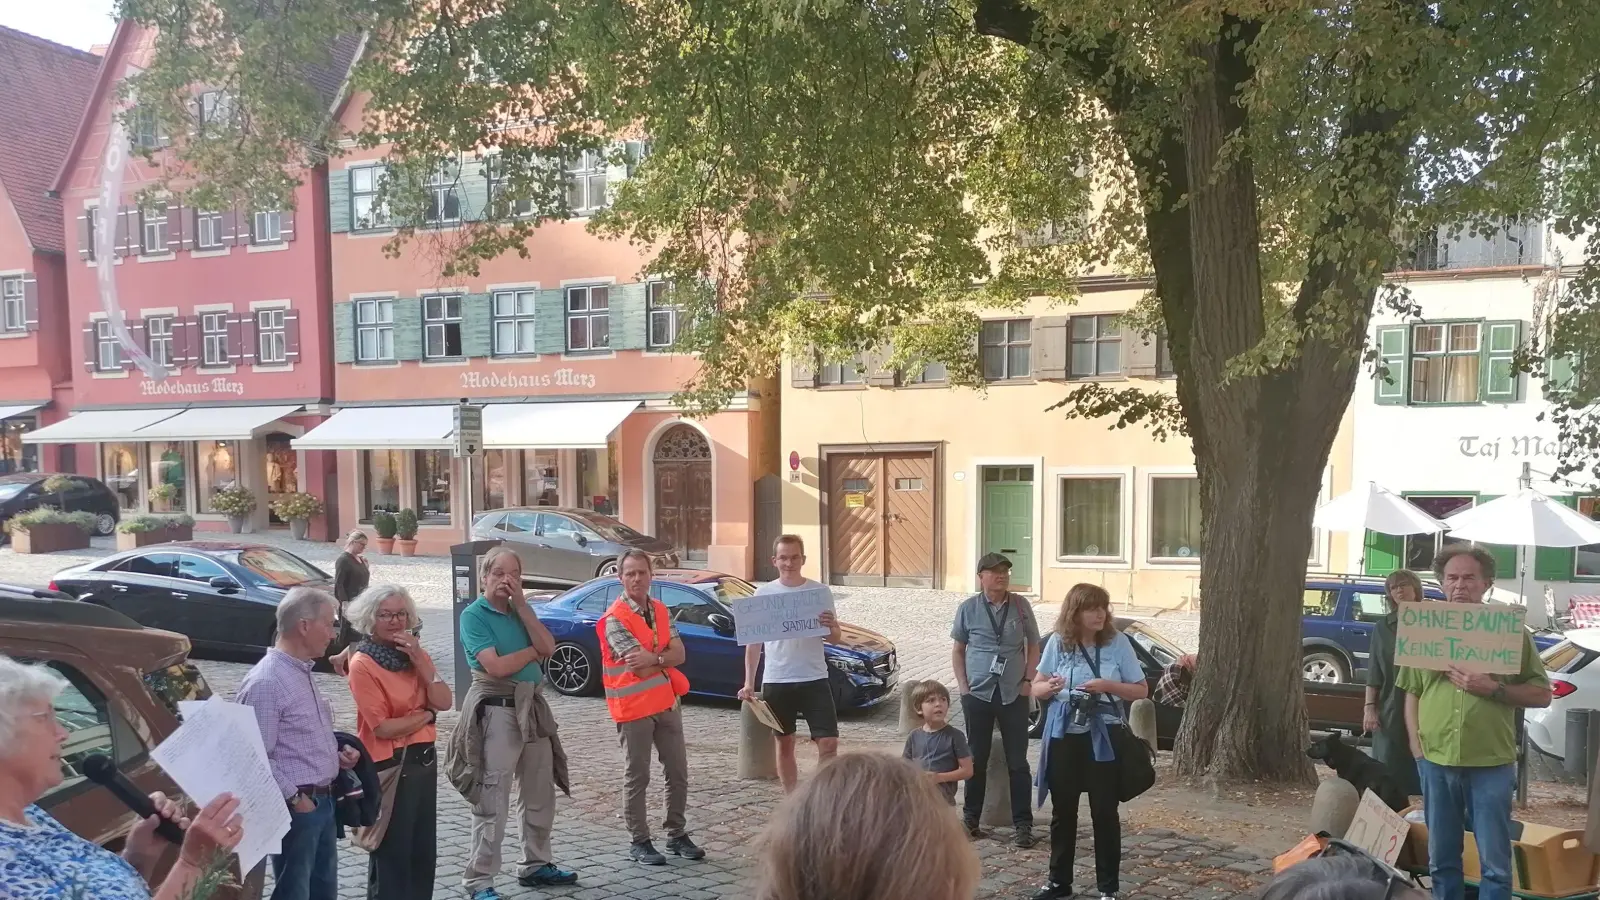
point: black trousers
(982, 717)
(1073, 772)
(402, 867)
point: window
(514, 330)
(586, 181)
(597, 479)
(1445, 362)
(13, 309)
(520, 522)
(444, 199)
(433, 486)
(215, 109)
(688, 606)
(119, 469)
(908, 484)
(208, 231)
(199, 568)
(158, 339)
(541, 478)
(1449, 362)
(266, 227)
(494, 171)
(91, 227)
(1006, 348)
(551, 525)
(214, 339)
(848, 372)
(272, 337)
(380, 481)
(168, 487)
(1319, 604)
(1096, 349)
(108, 352)
(1175, 518)
(663, 315)
(600, 599)
(218, 470)
(153, 221)
(1370, 606)
(1091, 517)
(375, 330)
(86, 717)
(145, 131)
(1421, 548)
(932, 373)
(16, 456)
(366, 212)
(589, 318)
(1586, 560)
(494, 479)
(441, 327)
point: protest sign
(781, 616)
(1377, 829)
(764, 713)
(1478, 637)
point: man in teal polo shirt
(1463, 733)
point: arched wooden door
(682, 462)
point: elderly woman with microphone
(39, 858)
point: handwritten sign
(781, 616)
(1478, 637)
(1378, 829)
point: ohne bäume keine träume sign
(1478, 637)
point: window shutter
(136, 332)
(180, 342)
(30, 302)
(408, 328)
(1383, 552)
(1050, 348)
(630, 321)
(1140, 354)
(1498, 378)
(1392, 352)
(248, 332)
(339, 201)
(91, 346)
(121, 231)
(175, 227)
(85, 237)
(235, 339)
(344, 332)
(477, 325)
(878, 372)
(191, 228)
(230, 228)
(286, 225)
(1560, 374)
(291, 336)
(803, 368)
(550, 321)
(1556, 563)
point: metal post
(1522, 761)
(1594, 743)
(466, 525)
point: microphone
(101, 770)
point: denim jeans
(1468, 798)
(308, 867)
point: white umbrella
(1524, 519)
(1371, 507)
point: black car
(22, 491)
(222, 595)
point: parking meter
(464, 589)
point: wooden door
(855, 520)
(909, 519)
(683, 492)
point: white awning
(99, 425)
(382, 428)
(575, 425)
(214, 423)
(7, 412)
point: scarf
(384, 655)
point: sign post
(469, 440)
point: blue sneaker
(487, 894)
(545, 875)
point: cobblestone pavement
(725, 814)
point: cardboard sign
(1378, 829)
(765, 715)
(1478, 637)
(781, 616)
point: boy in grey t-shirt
(938, 748)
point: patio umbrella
(1372, 507)
(1524, 519)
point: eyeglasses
(396, 616)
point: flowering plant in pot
(298, 509)
(383, 522)
(142, 531)
(163, 495)
(237, 503)
(406, 532)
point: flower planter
(406, 548)
(49, 538)
(236, 523)
(134, 540)
(384, 545)
(298, 527)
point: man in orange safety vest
(640, 651)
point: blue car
(862, 668)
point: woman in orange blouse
(398, 693)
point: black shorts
(811, 700)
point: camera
(1079, 705)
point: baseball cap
(993, 561)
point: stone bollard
(758, 752)
(997, 790)
(1334, 807)
(1142, 721)
(909, 719)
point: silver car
(565, 545)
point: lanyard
(999, 627)
(1094, 664)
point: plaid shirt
(1172, 689)
(622, 641)
(296, 722)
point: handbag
(1136, 760)
(371, 836)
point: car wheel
(609, 567)
(104, 524)
(1325, 667)
(571, 670)
(1036, 711)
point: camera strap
(1094, 666)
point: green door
(1008, 519)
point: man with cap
(996, 652)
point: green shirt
(483, 627)
(1461, 729)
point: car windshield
(277, 568)
(727, 589)
(610, 528)
(7, 491)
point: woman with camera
(1090, 669)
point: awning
(7, 412)
(574, 425)
(99, 425)
(215, 423)
(382, 428)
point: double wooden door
(683, 493)
(881, 515)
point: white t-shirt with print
(797, 659)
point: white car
(1574, 684)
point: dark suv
(23, 491)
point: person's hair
(635, 553)
(489, 559)
(1084, 596)
(363, 611)
(355, 535)
(21, 683)
(1337, 878)
(788, 539)
(925, 691)
(300, 604)
(1484, 558)
(867, 826)
(1402, 578)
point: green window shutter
(477, 325)
(550, 322)
(1500, 382)
(1392, 350)
(1384, 552)
(1505, 558)
(338, 200)
(1560, 375)
(628, 317)
(408, 328)
(1555, 563)
(344, 332)
(474, 191)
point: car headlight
(853, 665)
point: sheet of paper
(1377, 829)
(246, 719)
(781, 616)
(218, 749)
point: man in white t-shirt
(795, 682)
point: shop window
(380, 482)
(15, 456)
(494, 479)
(218, 470)
(1096, 350)
(597, 479)
(1007, 349)
(588, 318)
(1175, 519)
(541, 478)
(168, 486)
(119, 469)
(1091, 517)
(441, 327)
(433, 486)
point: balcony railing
(1517, 244)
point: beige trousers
(664, 731)
(507, 758)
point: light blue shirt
(1117, 662)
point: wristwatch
(1499, 692)
(433, 717)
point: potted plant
(141, 531)
(46, 530)
(298, 509)
(237, 503)
(405, 532)
(383, 522)
(163, 494)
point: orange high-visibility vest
(628, 696)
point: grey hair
(300, 604)
(489, 559)
(363, 610)
(636, 553)
(21, 683)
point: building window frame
(108, 350)
(662, 312)
(851, 373)
(514, 316)
(272, 336)
(1445, 353)
(585, 179)
(13, 304)
(374, 329)
(1005, 348)
(367, 212)
(443, 185)
(208, 231)
(1123, 476)
(1093, 334)
(154, 231)
(266, 227)
(214, 351)
(494, 174)
(1150, 557)
(932, 374)
(441, 326)
(590, 306)
(158, 339)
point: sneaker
(645, 853)
(1024, 837)
(1054, 891)
(486, 894)
(1111, 896)
(973, 831)
(547, 874)
(684, 847)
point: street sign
(469, 429)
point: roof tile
(46, 86)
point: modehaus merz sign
(560, 378)
(172, 387)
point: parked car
(1574, 684)
(222, 595)
(124, 684)
(862, 668)
(22, 491)
(565, 545)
